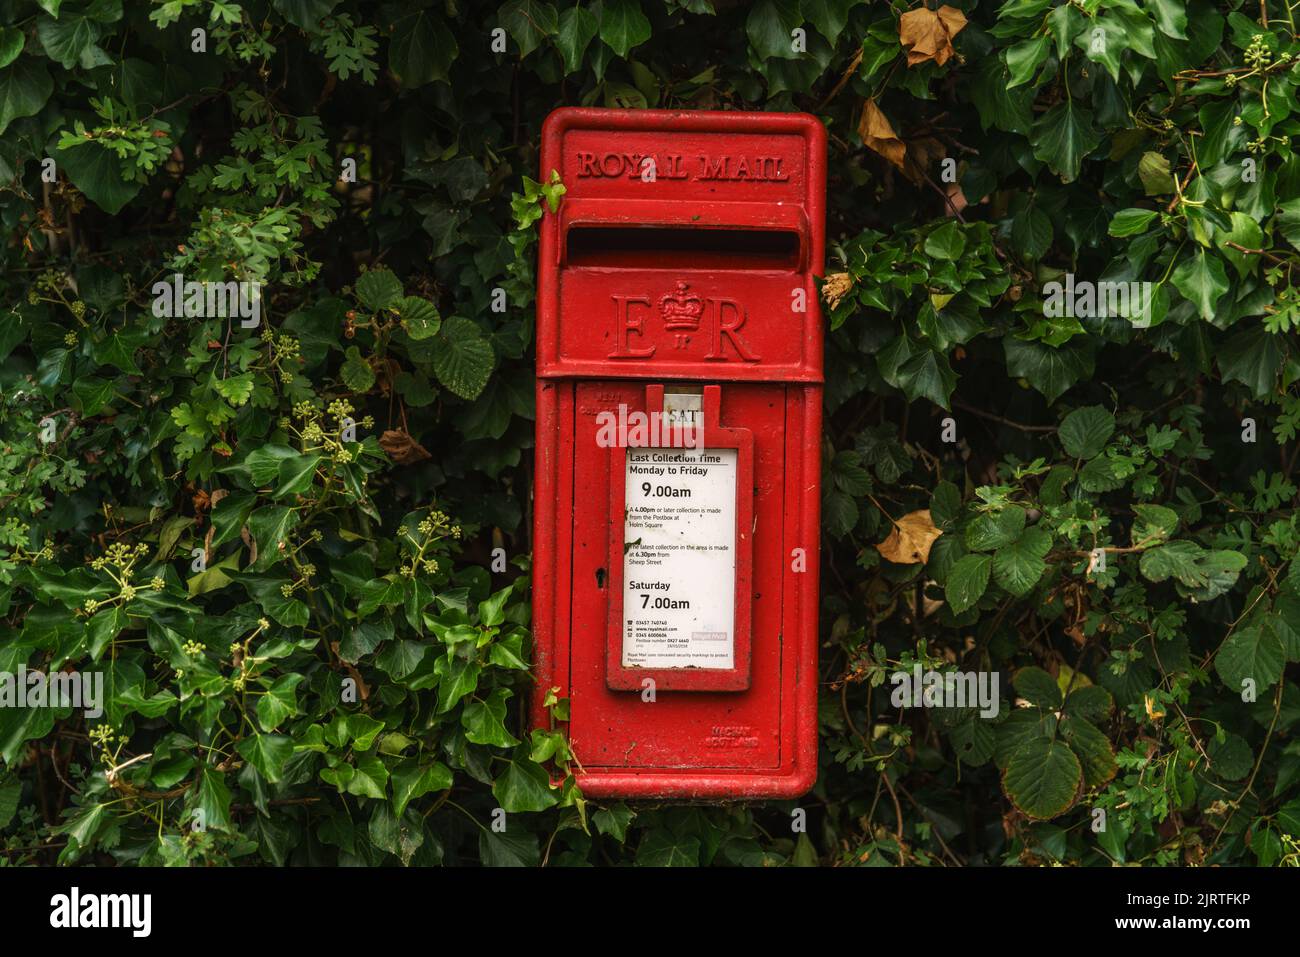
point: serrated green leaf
(1037, 687)
(464, 358)
(356, 372)
(967, 581)
(419, 317)
(1085, 432)
(1018, 566)
(1250, 654)
(1042, 778)
(1092, 748)
(378, 289)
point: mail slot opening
(675, 247)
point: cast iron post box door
(679, 378)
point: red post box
(679, 392)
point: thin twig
(1003, 421)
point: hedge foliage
(298, 551)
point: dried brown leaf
(879, 135)
(910, 539)
(836, 287)
(401, 447)
(927, 34)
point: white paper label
(679, 558)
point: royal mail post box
(679, 392)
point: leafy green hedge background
(299, 552)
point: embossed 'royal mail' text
(759, 169)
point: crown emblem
(681, 310)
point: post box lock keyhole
(600, 578)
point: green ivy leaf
(1288, 214)
(422, 50)
(1171, 17)
(578, 27)
(663, 848)
(457, 678)
(296, 475)
(66, 40)
(830, 17)
(25, 85)
(269, 753)
(485, 721)
(1202, 280)
(1025, 57)
(614, 820)
(412, 780)
(96, 172)
(1131, 222)
(623, 25)
(1049, 369)
(279, 702)
(1156, 176)
(270, 527)
(11, 44)
(304, 13)
(1063, 136)
(946, 242)
(1252, 357)
(524, 785)
(1031, 233)
(211, 799)
(928, 375)
(396, 834)
(365, 637)
(769, 25)
(529, 22)
(369, 778)
(513, 848)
